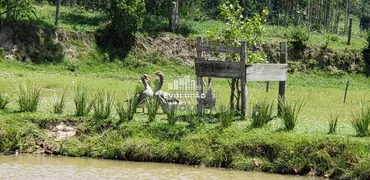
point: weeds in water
(59, 104)
(29, 95)
(333, 125)
(226, 118)
(152, 106)
(82, 104)
(102, 104)
(361, 121)
(262, 113)
(126, 111)
(289, 113)
(4, 100)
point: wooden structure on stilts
(239, 70)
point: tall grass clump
(289, 113)
(29, 96)
(102, 104)
(152, 106)
(226, 118)
(4, 100)
(262, 113)
(80, 99)
(126, 110)
(361, 120)
(333, 121)
(59, 104)
(171, 112)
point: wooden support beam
(267, 72)
(220, 69)
(282, 84)
(219, 49)
(244, 90)
(199, 80)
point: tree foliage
(126, 16)
(240, 28)
(17, 9)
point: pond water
(26, 166)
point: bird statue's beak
(156, 73)
(147, 78)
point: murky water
(57, 167)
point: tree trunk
(346, 17)
(8, 12)
(57, 12)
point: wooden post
(345, 92)
(349, 31)
(267, 86)
(199, 80)
(282, 84)
(243, 79)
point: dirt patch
(61, 132)
(179, 48)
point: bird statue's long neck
(160, 83)
(146, 86)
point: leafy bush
(159, 7)
(102, 103)
(361, 121)
(126, 17)
(262, 113)
(331, 38)
(59, 104)
(82, 104)
(29, 95)
(4, 100)
(299, 39)
(19, 8)
(289, 113)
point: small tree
(17, 9)
(126, 17)
(240, 28)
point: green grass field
(324, 93)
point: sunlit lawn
(324, 94)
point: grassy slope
(77, 19)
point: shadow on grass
(155, 25)
(78, 19)
(115, 47)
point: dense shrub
(126, 17)
(299, 38)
